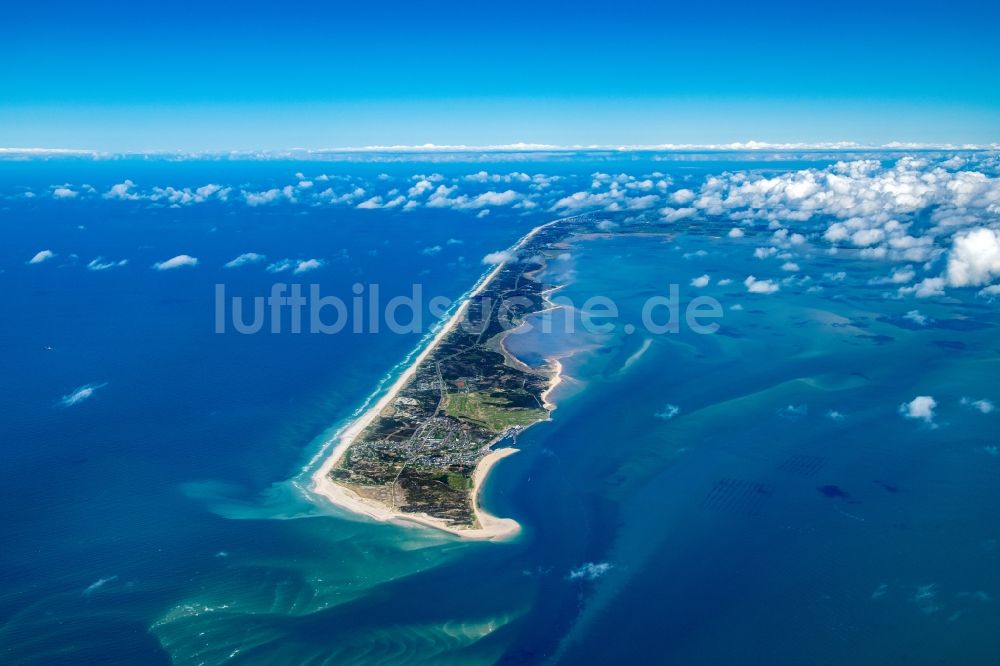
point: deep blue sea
(753, 496)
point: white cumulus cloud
(590, 571)
(989, 293)
(500, 257)
(674, 214)
(296, 266)
(682, 197)
(983, 405)
(306, 265)
(974, 259)
(668, 412)
(755, 286)
(245, 259)
(39, 257)
(80, 394)
(179, 261)
(102, 264)
(121, 191)
(921, 407)
(926, 288)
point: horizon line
(510, 148)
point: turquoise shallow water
(752, 523)
(160, 521)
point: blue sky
(184, 76)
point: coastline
(490, 527)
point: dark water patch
(954, 345)
(888, 487)
(834, 492)
(877, 339)
(962, 324)
(903, 322)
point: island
(420, 453)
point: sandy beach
(490, 527)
